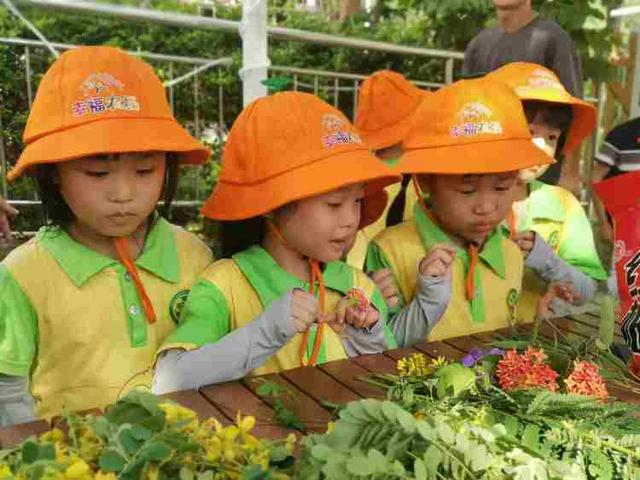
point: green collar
(544, 203)
(159, 255)
(431, 234)
(271, 281)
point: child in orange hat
(456, 271)
(86, 303)
(387, 102)
(294, 188)
(547, 221)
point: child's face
(389, 153)
(112, 195)
(470, 206)
(545, 137)
(323, 227)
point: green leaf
(33, 452)
(156, 452)
(270, 389)
(186, 474)
(454, 379)
(138, 408)
(419, 469)
(255, 472)
(360, 466)
(129, 443)
(607, 321)
(111, 461)
(531, 437)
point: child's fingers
(5, 228)
(371, 318)
(381, 276)
(7, 209)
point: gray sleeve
(469, 63)
(360, 341)
(552, 268)
(16, 402)
(414, 322)
(567, 64)
(231, 357)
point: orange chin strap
(122, 247)
(472, 248)
(316, 277)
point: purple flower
(477, 354)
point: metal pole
(27, 73)
(3, 163)
(448, 71)
(255, 59)
(195, 21)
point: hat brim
(388, 136)
(474, 158)
(234, 201)
(114, 135)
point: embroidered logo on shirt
(337, 132)
(102, 92)
(474, 120)
(177, 305)
(512, 303)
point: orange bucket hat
(386, 104)
(287, 147)
(535, 82)
(100, 100)
(471, 126)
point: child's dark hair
(555, 114)
(239, 235)
(57, 212)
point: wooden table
(335, 382)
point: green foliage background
(438, 24)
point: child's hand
(561, 291)
(304, 309)
(353, 309)
(386, 283)
(438, 261)
(6, 212)
(525, 240)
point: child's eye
(145, 171)
(553, 138)
(360, 200)
(501, 189)
(334, 204)
(96, 174)
(467, 192)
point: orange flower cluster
(527, 370)
(585, 379)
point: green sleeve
(377, 260)
(578, 247)
(18, 328)
(204, 319)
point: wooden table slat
(440, 349)
(198, 403)
(11, 436)
(348, 373)
(376, 363)
(400, 353)
(234, 397)
(314, 417)
(319, 385)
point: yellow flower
(245, 424)
(5, 471)
(415, 365)
(54, 435)
(332, 425)
(105, 476)
(78, 470)
(153, 473)
(177, 414)
(291, 440)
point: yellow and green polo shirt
(231, 293)
(71, 319)
(557, 216)
(497, 278)
(358, 253)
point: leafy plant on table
(145, 437)
(278, 396)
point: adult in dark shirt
(522, 36)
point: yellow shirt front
(231, 293)
(72, 320)
(497, 280)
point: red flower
(585, 379)
(528, 370)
